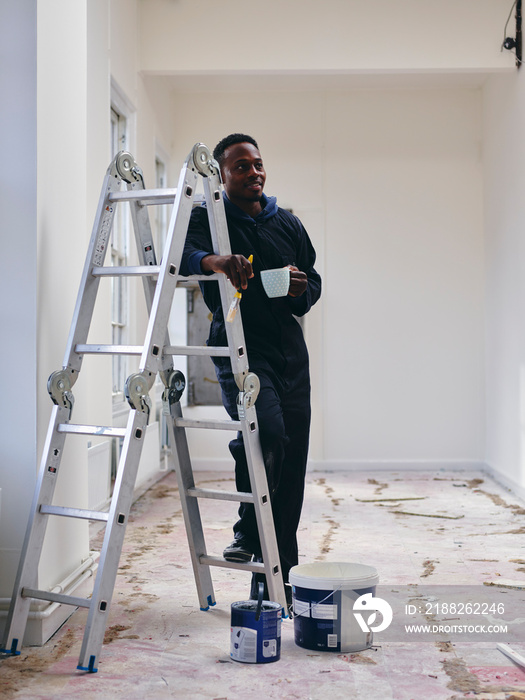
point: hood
(269, 209)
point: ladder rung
(145, 270)
(219, 561)
(131, 271)
(101, 430)
(213, 424)
(56, 597)
(241, 496)
(92, 349)
(74, 513)
(212, 351)
(165, 195)
(189, 281)
(109, 349)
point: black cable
(507, 24)
(510, 43)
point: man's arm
(305, 281)
(237, 268)
(298, 282)
(198, 256)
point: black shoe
(238, 550)
(289, 594)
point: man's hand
(298, 282)
(237, 268)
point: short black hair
(227, 141)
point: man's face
(243, 173)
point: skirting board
(387, 465)
(351, 465)
(394, 465)
(504, 481)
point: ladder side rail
(221, 246)
(190, 508)
(27, 574)
(158, 300)
(249, 424)
(152, 358)
(263, 507)
(147, 257)
(113, 540)
(98, 245)
(143, 236)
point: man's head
(242, 171)
(220, 148)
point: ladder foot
(211, 603)
(12, 651)
(91, 668)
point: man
(274, 340)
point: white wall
(404, 278)
(62, 240)
(504, 155)
(18, 226)
(389, 186)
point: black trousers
(283, 415)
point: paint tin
(324, 594)
(256, 630)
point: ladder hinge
(248, 396)
(125, 166)
(59, 387)
(203, 161)
(175, 383)
(136, 391)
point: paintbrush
(236, 301)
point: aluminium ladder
(160, 281)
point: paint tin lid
(331, 575)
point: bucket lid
(330, 575)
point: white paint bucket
(324, 594)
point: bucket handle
(259, 602)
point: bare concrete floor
(418, 529)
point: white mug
(276, 282)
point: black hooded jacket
(275, 238)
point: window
(161, 211)
(119, 257)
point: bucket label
(244, 644)
(269, 648)
(324, 612)
(331, 641)
(301, 607)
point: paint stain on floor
(159, 644)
